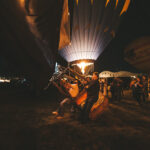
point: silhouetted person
(101, 82)
(133, 87)
(119, 89)
(137, 88)
(116, 89)
(145, 88)
(113, 87)
(92, 97)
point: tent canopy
(109, 74)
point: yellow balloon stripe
(77, 1)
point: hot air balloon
(137, 53)
(95, 24)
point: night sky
(135, 24)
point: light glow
(83, 65)
(4, 80)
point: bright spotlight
(83, 65)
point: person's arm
(140, 84)
(60, 89)
(90, 84)
(132, 82)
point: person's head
(75, 82)
(88, 79)
(95, 76)
(144, 77)
(138, 79)
(62, 81)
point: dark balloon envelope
(29, 37)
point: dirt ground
(27, 123)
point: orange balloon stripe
(77, 1)
(107, 3)
(117, 2)
(125, 7)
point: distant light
(56, 68)
(133, 76)
(4, 80)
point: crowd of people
(139, 88)
(92, 87)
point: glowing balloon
(95, 24)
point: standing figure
(144, 89)
(113, 89)
(132, 87)
(119, 89)
(137, 88)
(92, 97)
(101, 82)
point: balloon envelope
(95, 23)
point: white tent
(109, 74)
